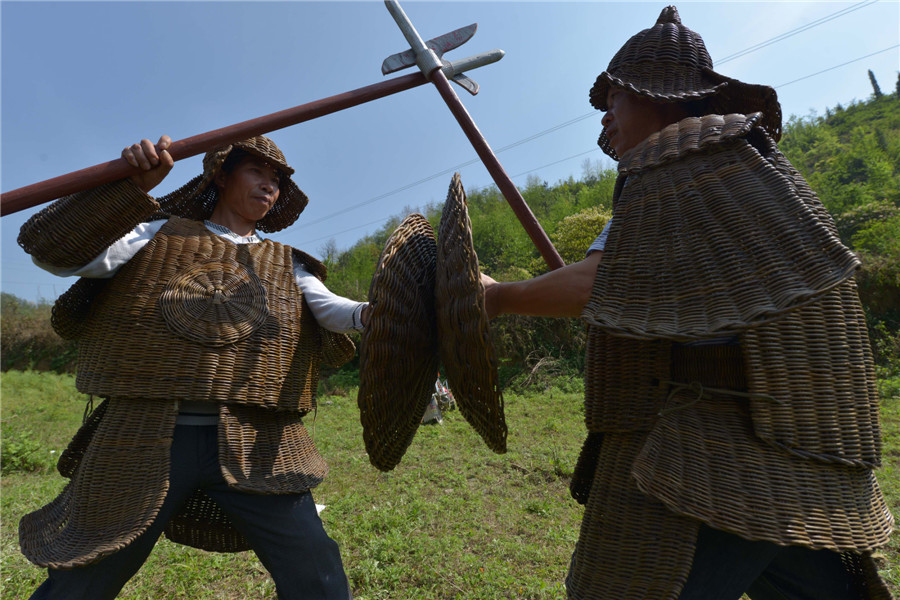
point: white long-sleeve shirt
(331, 311)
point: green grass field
(453, 520)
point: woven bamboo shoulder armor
(196, 317)
(711, 236)
(72, 231)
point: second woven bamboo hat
(197, 198)
(669, 63)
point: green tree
(875, 87)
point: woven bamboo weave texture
(398, 353)
(202, 524)
(818, 363)
(74, 453)
(703, 460)
(108, 503)
(267, 452)
(337, 348)
(624, 382)
(864, 570)
(72, 231)
(585, 467)
(464, 334)
(73, 307)
(214, 303)
(709, 239)
(669, 63)
(129, 350)
(631, 547)
(261, 452)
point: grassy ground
(453, 520)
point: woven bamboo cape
(694, 185)
(118, 462)
(677, 431)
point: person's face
(630, 118)
(250, 190)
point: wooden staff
(85, 179)
(430, 64)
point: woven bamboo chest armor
(195, 317)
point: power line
(795, 31)
(575, 120)
(838, 66)
(382, 220)
(592, 150)
(444, 172)
(733, 56)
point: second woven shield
(398, 360)
(466, 349)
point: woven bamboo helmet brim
(197, 198)
(466, 349)
(398, 355)
(670, 63)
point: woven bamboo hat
(464, 334)
(398, 349)
(670, 63)
(197, 198)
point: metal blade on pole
(84, 179)
(440, 44)
(429, 63)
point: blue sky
(80, 80)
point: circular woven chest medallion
(214, 303)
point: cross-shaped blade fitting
(428, 55)
(440, 44)
(435, 69)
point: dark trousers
(726, 566)
(284, 530)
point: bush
(575, 233)
(340, 382)
(27, 340)
(21, 452)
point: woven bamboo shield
(466, 349)
(398, 360)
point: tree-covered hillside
(851, 158)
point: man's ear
(219, 179)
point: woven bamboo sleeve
(74, 230)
